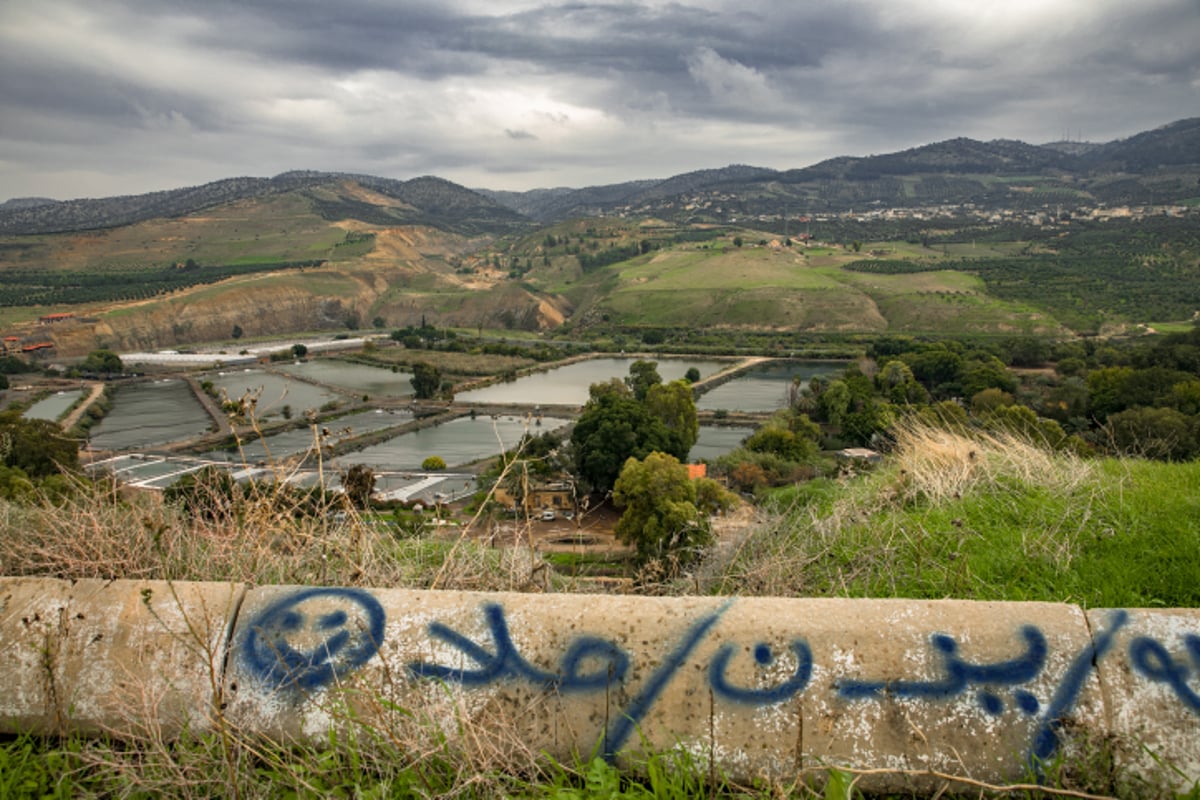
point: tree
(426, 380)
(378, 323)
(780, 441)
(712, 497)
(11, 365)
(433, 464)
(673, 404)
(613, 428)
(36, 446)
(642, 375)
(357, 483)
(1161, 433)
(692, 375)
(939, 369)
(737, 241)
(660, 516)
(299, 350)
(834, 402)
(237, 331)
(898, 384)
(986, 372)
(105, 361)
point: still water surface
(568, 386)
(291, 443)
(459, 441)
(52, 407)
(274, 392)
(151, 413)
(359, 378)
(717, 440)
(765, 388)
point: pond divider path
(219, 418)
(751, 687)
(95, 389)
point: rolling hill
(311, 251)
(1158, 166)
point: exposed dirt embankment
(257, 307)
(275, 304)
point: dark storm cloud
(560, 93)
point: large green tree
(672, 403)
(426, 380)
(617, 425)
(660, 516)
(36, 447)
(102, 361)
(613, 428)
(642, 376)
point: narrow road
(74, 417)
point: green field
(805, 289)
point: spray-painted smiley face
(309, 639)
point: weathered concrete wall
(760, 686)
(93, 656)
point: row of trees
(63, 287)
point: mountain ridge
(957, 170)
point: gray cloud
(133, 95)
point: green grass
(989, 519)
(807, 289)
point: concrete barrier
(95, 656)
(754, 686)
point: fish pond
(765, 387)
(568, 385)
(359, 378)
(459, 441)
(52, 407)
(148, 414)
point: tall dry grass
(884, 533)
(935, 463)
(100, 531)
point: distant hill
(424, 201)
(18, 203)
(954, 171)
(307, 251)
(1156, 166)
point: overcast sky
(109, 97)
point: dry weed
(937, 464)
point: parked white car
(548, 515)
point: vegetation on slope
(988, 516)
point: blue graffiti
(764, 658)
(1045, 739)
(506, 662)
(291, 646)
(627, 722)
(960, 675)
(1152, 659)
